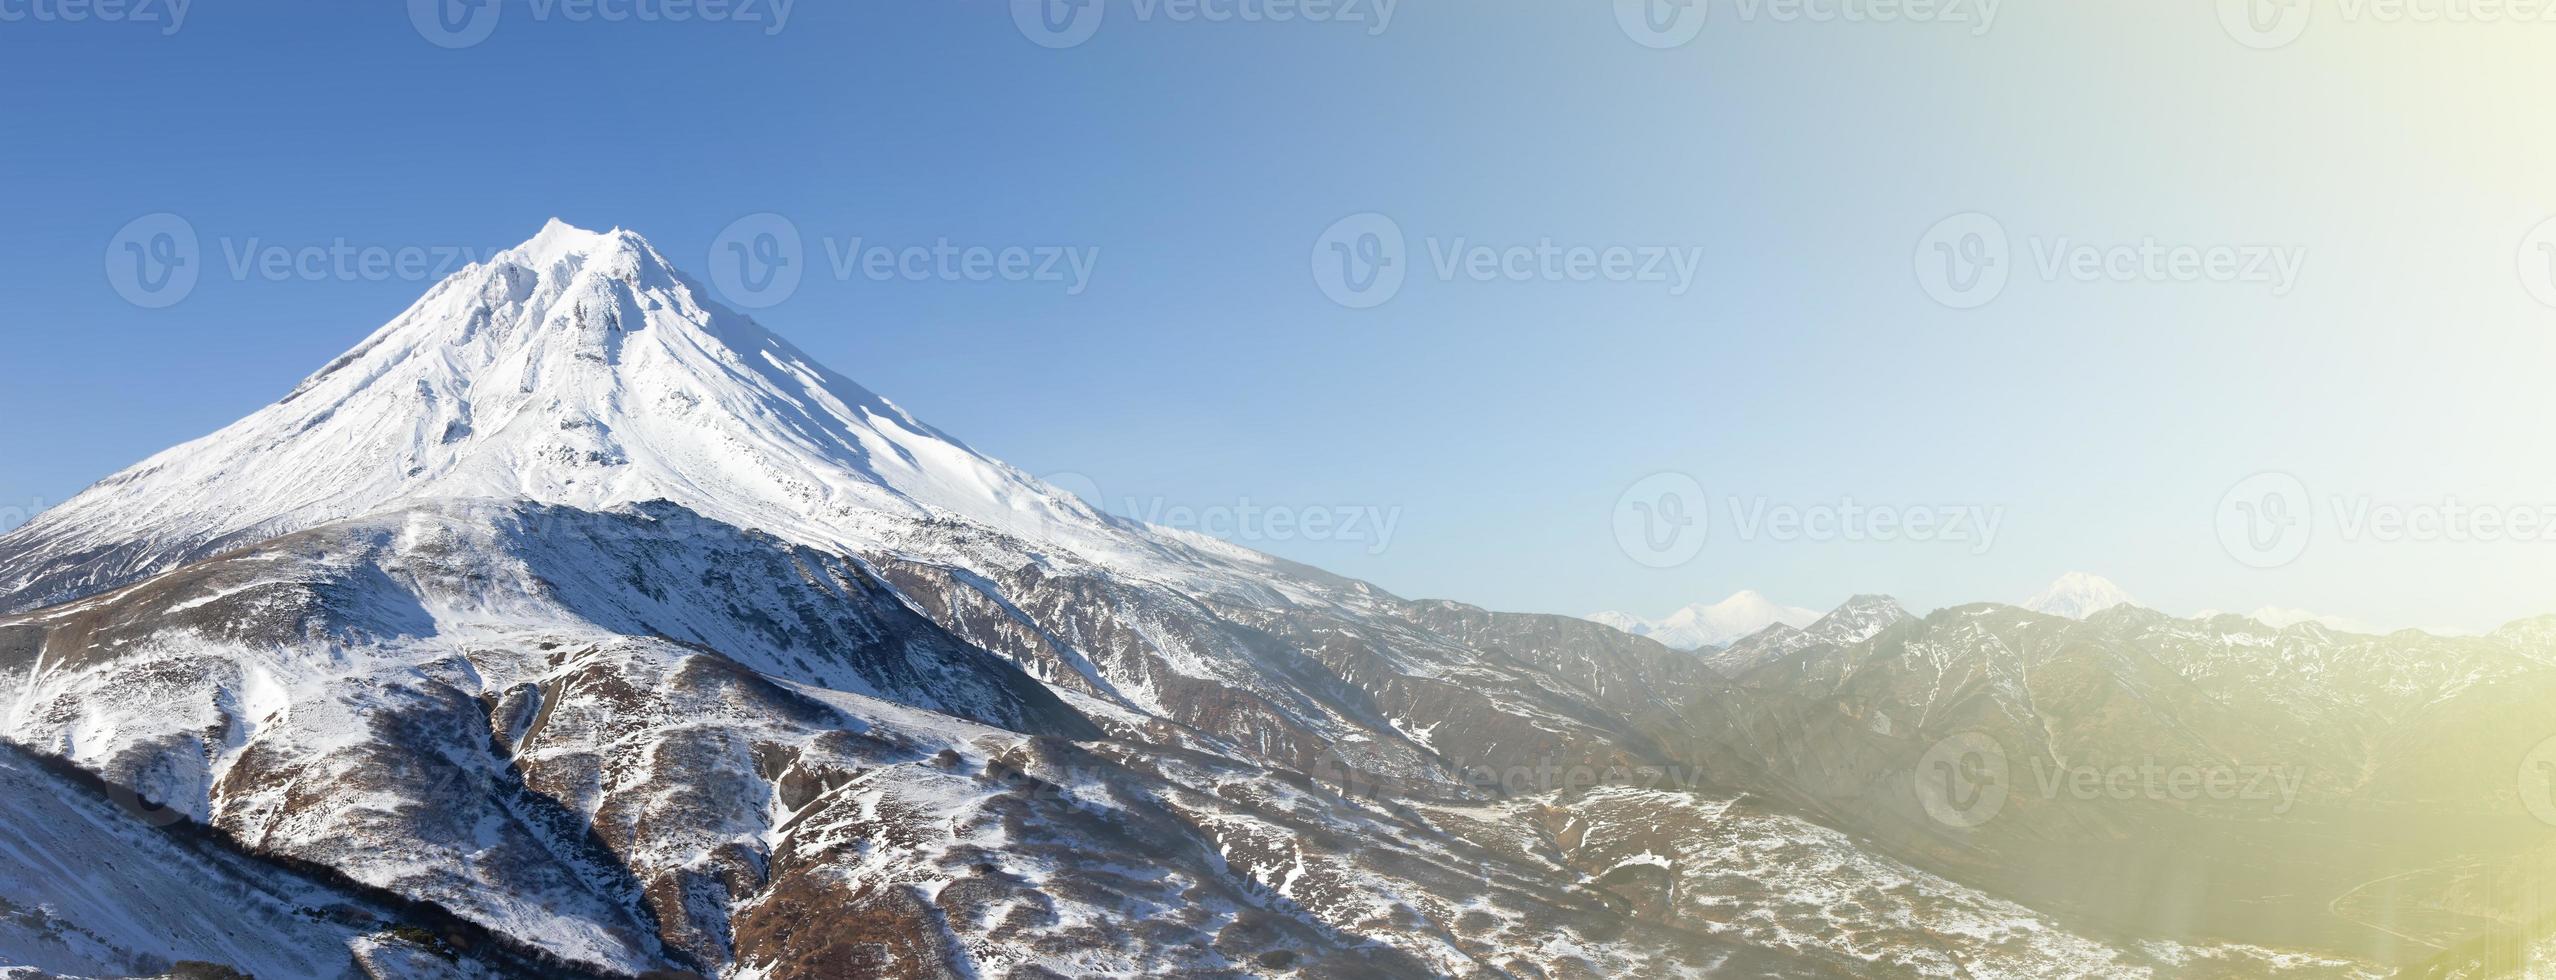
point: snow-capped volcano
(592, 616)
(578, 369)
(2077, 595)
(1711, 625)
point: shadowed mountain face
(596, 615)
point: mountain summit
(578, 369)
(610, 633)
(2077, 595)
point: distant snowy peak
(1710, 625)
(2078, 595)
(1858, 619)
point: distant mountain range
(574, 625)
(1700, 625)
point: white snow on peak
(2077, 595)
(580, 369)
(1857, 619)
(1702, 625)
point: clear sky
(2352, 308)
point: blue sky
(2107, 423)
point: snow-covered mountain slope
(1732, 867)
(579, 370)
(2077, 595)
(2361, 782)
(1857, 619)
(533, 717)
(593, 612)
(1701, 625)
(95, 882)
